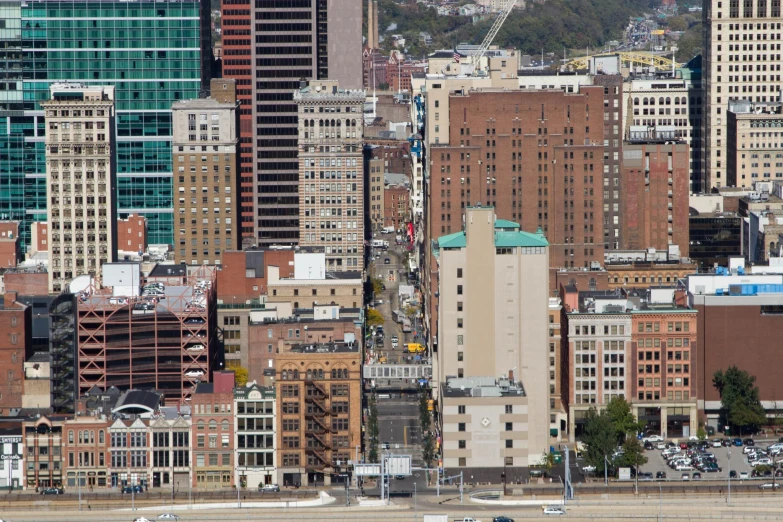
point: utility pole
(461, 486)
(728, 499)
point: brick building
(213, 433)
(243, 276)
(319, 412)
(535, 156)
(10, 244)
(132, 234)
(30, 281)
(656, 179)
(43, 442)
(39, 242)
(15, 347)
(396, 203)
(273, 337)
(86, 451)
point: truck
(406, 325)
(380, 243)
(415, 348)
(436, 518)
(388, 230)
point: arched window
(660, 100)
(309, 375)
(224, 425)
(668, 101)
(201, 424)
(70, 437)
(100, 437)
(80, 437)
(334, 374)
(636, 101)
(213, 425)
(592, 283)
(320, 374)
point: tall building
(206, 181)
(494, 289)
(753, 151)
(81, 181)
(315, 40)
(331, 173)
(103, 43)
(655, 192)
(741, 61)
(537, 157)
(15, 348)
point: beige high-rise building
(742, 60)
(206, 181)
(81, 181)
(494, 307)
(331, 173)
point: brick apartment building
(243, 275)
(132, 234)
(15, 347)
(213, 433)
(10, 244)
(537, 157)
(396, 203)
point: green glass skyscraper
(154, 53)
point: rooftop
(507, 234)
(202, 103)
(482, 387)
(320, 348)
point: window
(461, 426)
(509, 426)
(461, 409)
(509, 408)
(459, 289)
(463, 462)
(459, 273)
(509, 443)
(462, 444)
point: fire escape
(317, 426)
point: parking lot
(739, 464)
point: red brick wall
(317, 331)
(132, 234)
(42, 243)
(15, 339)
(10, 252)
(392, 214)
(234, 286)
(646, 199)
(501, 137)
(26, 283)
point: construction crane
(493, 31)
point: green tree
(701, 433)
(633, 454)
(547, 461)
(374, 317)
(622, 419)
(599, 437)
(424, 412)
(739, 397)
(428, 449)
(377, 285)
(678, 23)
(690, 43)
(372, 429)
(240, 376)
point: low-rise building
(43, 443)
(646, 268)
(396, 202)
(485, 426)
(213, 431)
(319, 412)
(11, 456)
(634, 344)
(715, 237)
(85, 451)
(171, 446)
(255, 414)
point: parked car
(133, 489)
(554, 510)
(194, 320)
(168, 516)
(588, 469)
(194, 373)
(683, 445)
(716, 443)
(502, 519)
(748, 442)
(662, 445)
(52, 491)
(387, 261)
(697, 476)
(769, 485)
(141, 519)
(743, 475)
(733, 474)
(737, 442)
(649, 445)
(660, 475)
(269, 488)
(748, 449)
(654, 438)
(645, 475)
(726, 443)
(685, 476)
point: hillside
(550, 25)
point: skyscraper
(152, 53)
(742, 60)
(81, 181)
(331, 173)
(320, 40)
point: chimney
(9, 298)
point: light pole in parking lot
(728, 499)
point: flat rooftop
(322, 348)
(482, 387)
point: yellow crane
(636, 58)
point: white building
(256, 436)
(81, 181)
(11, 458)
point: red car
(683, 445)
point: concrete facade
(255, 413)
(80, 141)
(474, 337)
(331, 173)
(206, 182)
(753, 149)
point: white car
(769, 485)
(743, 475)
(716, 443)
(661, 445)
(194, 373)
(141, 519)
(761, 462)
(653, 438)
(196, 348)
(588, 469)
(749, 449)
(168, 516)
(684, 467)
(554, 510)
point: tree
(424, 413)
(374, 317)
(600, 438)
(678, 23)
(373, 430)
(411, 311)
(377, 285)
(701, 433)
(633, 454)
(739, 397)
(547, 461)
(240, 376)
(621, 418)
(428, 449)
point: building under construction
(155, 332)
